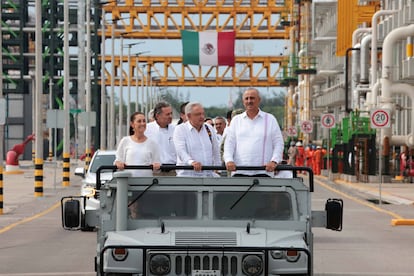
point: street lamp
(103, 120)
(148, 91)
(121, 92)
(88, 80)
(129, 82)
(111, 125)
(103, 123)
(137, 80)
(142, 87)
(155, 90)
(151, 94)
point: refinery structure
(347, 69)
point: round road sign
(306, 126)
(380, 118)
(328, 120)
(291, 131)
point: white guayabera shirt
(253, 142)
(192, 145)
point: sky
(209, 97)
(217, 96)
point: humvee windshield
(183, 205)
(161, 204)
(254, 205)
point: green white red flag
(208, 48)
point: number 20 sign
(380, 118)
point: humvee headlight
(252, 265)
(89, 191)
(276, 254)
(159, 264)
(289, 255)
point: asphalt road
(368, 243)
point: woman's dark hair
(182, 107)
(182, 111)
(132, 118)
(228, 114)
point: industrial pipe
(364, 74)
(347, 108)
(374, 53)
(387, 64)
(407, 90)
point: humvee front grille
(224, 263)
(206, 238)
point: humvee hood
(214, 236)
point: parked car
(88, 189)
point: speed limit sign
(380, 118)
(328, 120)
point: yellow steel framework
(163, 19)
(350, 15)
(168, 71)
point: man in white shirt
(254, 138)
(161, 131)
(196, 143)
(220, 125)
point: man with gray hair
(196, 143)
(220, 125)
(161, 130)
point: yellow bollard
(66, 170)
(38, 174)
(1, 189)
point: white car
(88, 190)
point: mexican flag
(208, 48)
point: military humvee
(203, 226)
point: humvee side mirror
(71, 213)
(80, 172)
(334, 214)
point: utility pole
(66, 107)
(2, 101)
(111, 125)
(38, 189)
(121, 92)
(129, 84)
(103, 123)
(80, 134)
(88, 82)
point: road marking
(370, 205)
(11, 226)
(374, 191)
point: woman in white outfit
(137, 149)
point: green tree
(273, 103)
